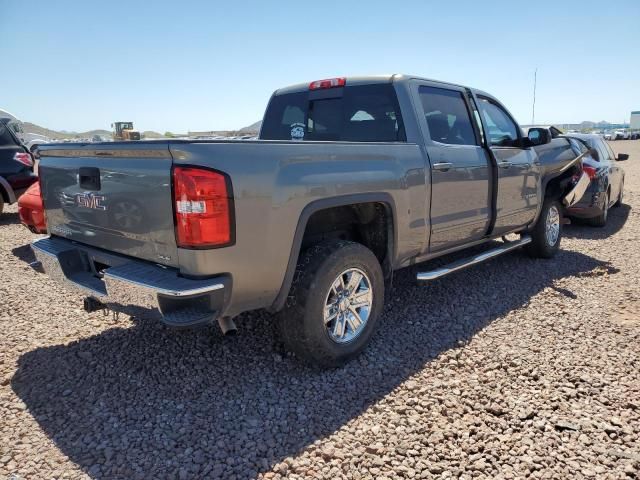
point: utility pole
(533, 111)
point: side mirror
(622, 157)
(538, 136)
(594, 153)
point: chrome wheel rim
(552, 226)
(347, 305)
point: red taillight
(203, 208)
(24, 158)
(590, 171)
(328, 83)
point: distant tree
(168, 134)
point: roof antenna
(533, 112)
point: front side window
(501, 130)
(447, 116)
(359, 113)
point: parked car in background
(606, 187)
(16, 167)
(31, 209)
(30, 140)
(618, 135)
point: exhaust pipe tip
(227, 325)
(37, 266)
(91, 305)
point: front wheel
(334, 304)
(547, 232)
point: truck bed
(273, 182)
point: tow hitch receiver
(91, 305)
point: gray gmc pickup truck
(351, 179)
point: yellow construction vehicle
(123, 131)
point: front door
(519, 189)
(460, 167)
(615, 175)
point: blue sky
(200, 65)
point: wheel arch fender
(340, 201)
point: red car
(31, 209)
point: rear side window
(360, 113)
(15, 126)
(5, 136)
(447, 116)
(612, 156)
(601, 149)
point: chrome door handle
(443, 166)
(504, 164)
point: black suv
(16, 166)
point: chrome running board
(468, 262)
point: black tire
(1, 203)
(301, 322)
(540, 246)
(601, 220)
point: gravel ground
(517, 368)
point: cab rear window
(359, 113)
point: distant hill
(253, 128)
(53, 134)
(59, 135)
(151, 134)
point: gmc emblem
(89, 200)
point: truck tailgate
(114, 196)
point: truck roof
(369, 79)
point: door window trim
(476, 118)
(509, 116)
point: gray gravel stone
(468, 377)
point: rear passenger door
(460, 167)
(518, 170)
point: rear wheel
(601, 219)
(547, 232)
(334, 304)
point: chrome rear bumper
(124, 284)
